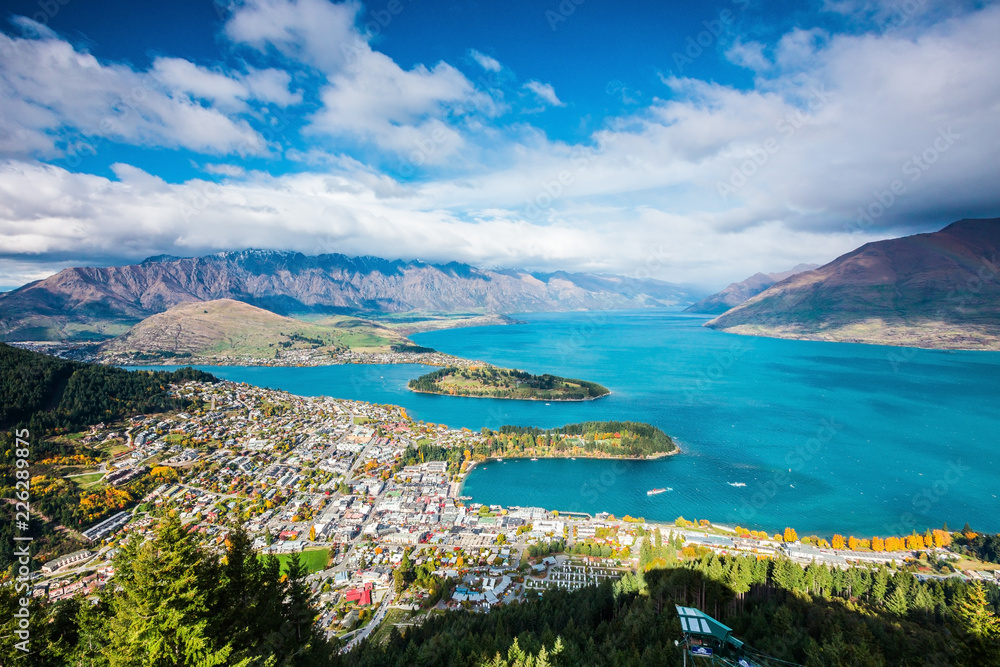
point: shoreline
(457, 490)
(215, 362)
(511, 398)
(249, 363)
(854, 340)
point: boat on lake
(653, 492)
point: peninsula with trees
(488, 381)
(596, 440)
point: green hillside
(221, 330)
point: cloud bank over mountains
(310, 138)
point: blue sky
(694, 142)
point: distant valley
(737, 293)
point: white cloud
(227, 91)
(50, 212)
(545, 92)
(315, 32)
(53, 94)
(749, 55)
(397, 110)
(831, 121)
(225, 170)
(271, 85)
(184, 77)
(368, 98)
(488, 63)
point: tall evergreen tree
(160, 615)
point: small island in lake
(489, 381)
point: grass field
(87, 481)
(314, 559)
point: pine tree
(298, 615)
(92, 635)
(160, 616)
(922, 600)
(897, 602)
(645, 553)
(880, 583)
(977, 618)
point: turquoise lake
(822, 437)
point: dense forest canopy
(45, 393)
(615, 438)
(55, 397)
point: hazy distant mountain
(739, 292)
(102, 302)
(928, 290)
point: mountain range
(97, 303)
(938, 290)
(737, 293)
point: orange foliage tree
(942, 538)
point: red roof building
(362, 597)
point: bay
(822, 437)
